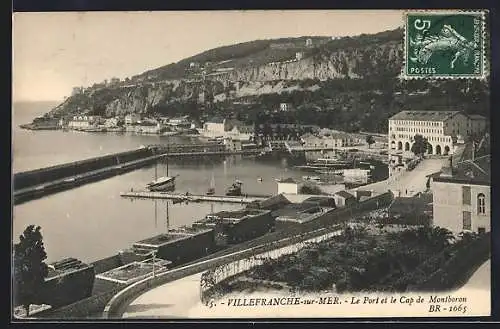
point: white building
(288, 186)
(442, 129)
(284, 107)
(462, 197)
(84, 121)
(132, 118)
(215, 127)
(299, 55)
(309, 43)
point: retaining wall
(44, 175)
(81, 309)
(114, 308)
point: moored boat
(235, 189)
(161, 184)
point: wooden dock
(243, 199)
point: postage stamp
(444, 44)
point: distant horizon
(54, 52)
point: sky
(54, 52)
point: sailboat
(211, 189)
(162, 184)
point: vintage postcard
(251, 164)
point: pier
(38, 183)
(243, 199)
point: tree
(420, 145)
(30, 269)
(370, 140)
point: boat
(328, 162)
(211, 189)
(259, 179)
(235, 189)
(311, 178)
(162, 184)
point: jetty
(242, 199)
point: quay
(194, 198)
(34, 184)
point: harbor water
(92, 221)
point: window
(481, 204)
(467, 225)
(466, 195)
(481, 230)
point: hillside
(349, 83)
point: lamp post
(153, 253)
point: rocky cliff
(348, 83)
(259, 70)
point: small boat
(162, 184)
(311, 178)
(235, 189)
(211, 189)
(259, 179)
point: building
(284, 107)
(236, 226)
(299, 55)
(84, 121)
(233, 145)
(288, 186)
(216, 126)
(478, 124)
(462, 196)
(132, 118)
(179, 245)
(309, 43)
(332, 140)
(442, 129)
(241, 132)
(77, 91)
(68, 281)
(343, 199)
(180, 122)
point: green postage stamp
(444, 44)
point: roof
(293, 209)
(409, 204)
(216, 120)
(477, 117)
(274, 202)
(65, 266)
(288, 180)
(424, 115)
(470, 172)
(345, 194)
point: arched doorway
(393, 145)
(407, 146)
(400, 145)
(429, 148)
(438, 149)
(446, 150)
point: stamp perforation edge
(485, 64)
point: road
(177, 299)
(408, 183)
(481, 279)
